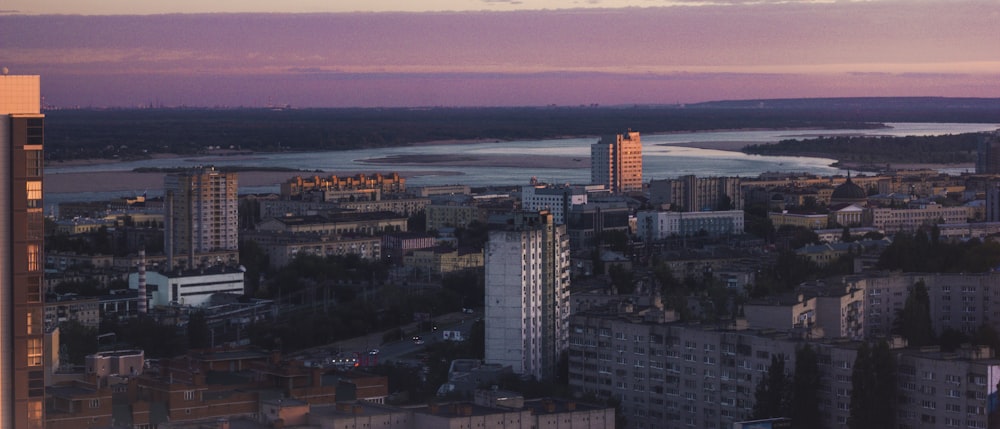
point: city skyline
(450, 53)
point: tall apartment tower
(21, 337)
(616, 162)
(202, 214)
(988, 151)
(527, 295)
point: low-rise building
(441, 260)
(282, 248)
(189, 287)
(658, 225)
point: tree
(913, 321)
(805, 389)
(772, 397)
(873, 388)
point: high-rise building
(527, 295)
(202, 214)
(21, 337)
(988, 151)
(616, 162)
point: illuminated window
(34, 351)
(34, 323)
(34, 193)
(35, 413)
(34, 251)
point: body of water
(661, 158)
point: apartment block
(658, 225)
(527, 295)
(616, 162)
(202, 214)
(22, 136)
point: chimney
(142, 305)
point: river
(662, 158)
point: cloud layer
(634, 55)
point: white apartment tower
(202, 209)
(616, 162)
(527, 295)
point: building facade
(557, 200)
(202, 214)
(21, 265)
(527, 295)
(616, 162)
(657, 225)
(692, 193)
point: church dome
(848, 191)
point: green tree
(772, 397)
(913, 321)
(873, 388)
(78, 341)
(806, 384)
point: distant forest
(135, 134)
(947, 149)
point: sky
(382, 53)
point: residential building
(784, 311)
(21, 266)
(395, 246)
(937, 389)
(917, 215)
(804, 220)
(202, 211)
(657, 225)
(527, 295)
(988, 160)
(616, 162)
(337, 223)
(333, 188)
(440, 260)
(557, 200)
(282, 248)
(585, 223)
(691, 193)
(453, 214)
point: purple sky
(677, 54)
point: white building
(189, 287)
(656, 225)
(527, 295)
(556, 199)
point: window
(34, 193)
(33, 253)
(34, 323)
(34, 163)
(95, 403)
(34, 351)
(34, 288)
(189, 395)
